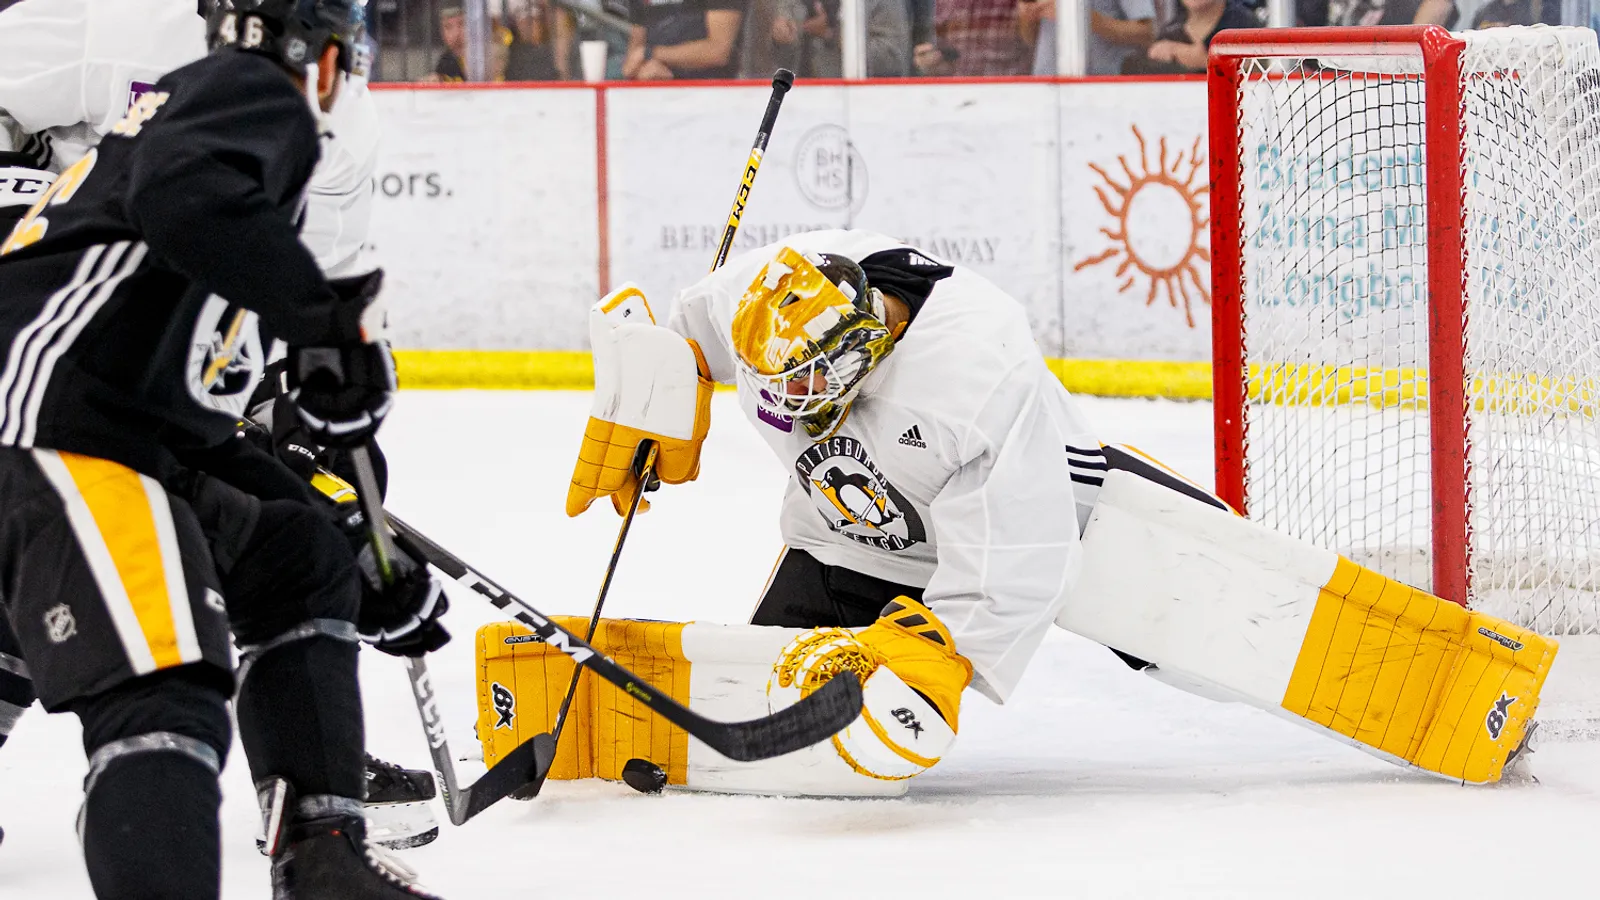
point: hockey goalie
(947, 504)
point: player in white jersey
(940, 474)
(69, 71)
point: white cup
(593, 56)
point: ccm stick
(527, 762)
(644, 465)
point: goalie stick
(815, 718)
(527, 762)
(644, 467)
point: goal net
(1406, 241)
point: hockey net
(1407, 304)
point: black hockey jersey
(130, 294)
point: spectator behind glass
(809, 29)
(683, 39)
(1116, 29)
(1181, 46)
(1501, 13)
(452, 65)
(1392, 12)
(540, 47)
(974, 38)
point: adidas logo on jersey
(913, 438)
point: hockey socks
(149, 828)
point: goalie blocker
(1219, 606)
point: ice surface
(1095, 782)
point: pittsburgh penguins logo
(854, 497)
(225, 357)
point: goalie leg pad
(1303, 632)
(720, 671)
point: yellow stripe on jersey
(124, 526)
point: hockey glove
(650, 384)
(342, 393)
(401, 618)
(912, 679)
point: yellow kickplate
(521, 682)
(1402, 671)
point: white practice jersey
(69, 69)
(953, 469)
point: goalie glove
(911, 677)
(650, 384)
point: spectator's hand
(929, 61)
(784, 31)
(1164, 51)
(1031, 12)
(654, 70)
(817, 26)
(632, 62)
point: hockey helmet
(807, 331)
(294, 32)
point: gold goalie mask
(807, 331)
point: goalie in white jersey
(948, 504)
(940, 472)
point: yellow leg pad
(521, 683)
(1397, 669)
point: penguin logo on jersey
(855, 499)
(225, 357)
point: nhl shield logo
(59, 625)
(1495, 722)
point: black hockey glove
(342, 393)
(401, 619)
(291, 443)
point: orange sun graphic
(1150, 213)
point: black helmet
(293, 32)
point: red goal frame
(1440, 53)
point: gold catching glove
(912, 679)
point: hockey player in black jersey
(127, 547)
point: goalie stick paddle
(529, 761)
(782, 80)
(815, 718)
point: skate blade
(400, 826)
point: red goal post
(1440, 54)
(1402, 300)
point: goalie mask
(806, 333)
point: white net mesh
(1335, 326)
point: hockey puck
(644, 776)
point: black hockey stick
(528, 761)
(782, 80)
(815, 718)
(644, 472)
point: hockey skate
(323, 854)
(397, 809)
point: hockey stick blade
(530, 760)
(522, 764)
(814, 719)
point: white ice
(1094, 782)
